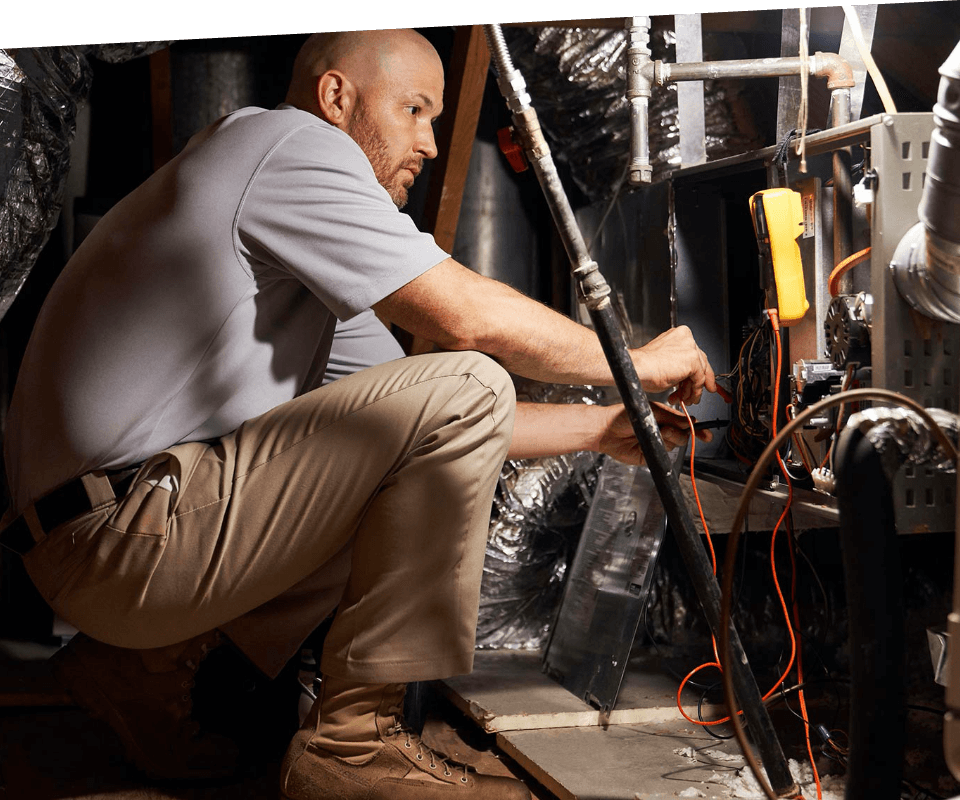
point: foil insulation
(576, 78)
(40, 89)
(905, 438)
(538, 513)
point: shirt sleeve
(315, 212)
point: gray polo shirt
(206, 297)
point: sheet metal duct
(495, 236)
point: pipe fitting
(836, 70)
(527, 126)
(592, 287)
(514, 90)
(921, 282)
(639, 89)
(510, 81)
(941, 196)
(639, 65)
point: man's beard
(368, 137)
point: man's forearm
(552, 429)
(525, 336)
(461, 310)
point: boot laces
(190, 727)
(436, 760)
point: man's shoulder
(273, 127)
(282, 118)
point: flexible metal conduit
(926, 264)
(594, 292)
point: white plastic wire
(804, 79)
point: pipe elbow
(836, 70)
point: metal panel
(912, 354)
(607, 588)
(690, 108)
(851, 54)
(633, 251)
(788, 94)
(806, 337)
(701, 278)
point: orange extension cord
(795, 654)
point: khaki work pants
(372, 494)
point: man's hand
(619, 441)
(673, 359)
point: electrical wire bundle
(749, 429)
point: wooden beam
(161, 104)
(457, 128)
(467, 77)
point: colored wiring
(795, 651)
(833, 282)
(748, 431)
(713, 560)
(746, 365)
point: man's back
(184, 312)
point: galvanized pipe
(842, 187)
(639, 85)
(821, 65)
(594, 292)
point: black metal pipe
(594, 292)
(694, 556)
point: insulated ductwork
(926, 264)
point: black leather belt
(61, 505)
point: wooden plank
(161, 104)
(507, 691)
(457, 128)
(467, 77)
(626, 762)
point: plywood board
(507, 691)
(626, 762)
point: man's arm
(551, 429)
(459, 309)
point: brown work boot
(144, 695)
(354, 745)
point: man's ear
(336, 96)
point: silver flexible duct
(926, 263)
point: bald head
(365, 58)
(384, 89)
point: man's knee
(494, 377)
